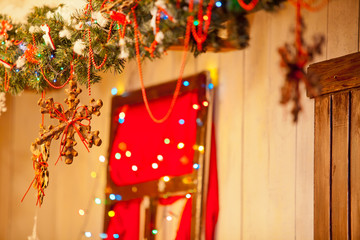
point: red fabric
(212, 201)
(126, 221)
(184, 231)
(145, 140)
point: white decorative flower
(159, 37)
(50, 14)
(122, 42)
(79, 26)
(79, 47)
(34, 29)
(100, 19)
(65, 33)
(123, 54)
(20, 62)
(65, 12)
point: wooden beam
(355, 165)
(340, 166)
(336, 74)
(322, 167)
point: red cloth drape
(212, 201)
(144, 140)
(125, 224)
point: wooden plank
(322, 169)
(337, 74)
(280, 131)
(355, 165)
(339, 168)
(229, 131)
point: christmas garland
(53, 46)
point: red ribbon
(72, 122)
(5, 26)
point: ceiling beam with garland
(50, 48)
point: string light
(205, 103)
(88, 234)
(196, 166)
(81, 212)
(180, 145)
(122, 115)
(169, 218)
(116, 236)
(128, 153)
(166, 141)
(117, 156)
(181, 121)
(122, 146)
(186, 83)
(98, 201)
(102, 158)
(111, 213)
(201, 148)
(154, 166)
(196, 22)
(210, 86)
(93, 174)
(166, 179)
(160, 157)
(188, 195)
(112, 196)
(114, 91)
(103, 235)
(196, 106)
(121, 120)
(206, 17)
(134, 168)
(154, 231)
(218, 4)
(118, 197)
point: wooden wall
(265, 161)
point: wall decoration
(295, 57)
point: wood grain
(355, 165)
(337, 74)
(339, 168)
(322, 168)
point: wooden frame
(198, 184)
(337, 154)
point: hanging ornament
(70, 123)
(5, 64)
(47, 36)
(40, 164)
(294, 59)
(2, 103)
